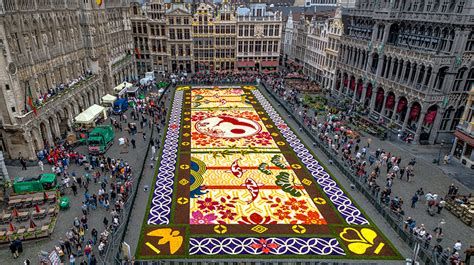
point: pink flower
(201, 219)
(264, 245)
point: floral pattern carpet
(234, 181)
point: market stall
(108, 100)
(90, 117)
(121, 89)
(132, 92)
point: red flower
(256, 218)
(295, 204)
(282, 214)
(207, 204)
(312, 217)
(265, 246)
(228, 214)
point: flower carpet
(234, 181)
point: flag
(32, 224)
(12, 227)
(15, 212)
(137, 51)
(30, 101)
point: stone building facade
(463, 146)
(46, 45)
(322, 49)
(259, 35)
(409, 64)
(149, 36)
(180, 50)
(203, 36)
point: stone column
(370, 58)
(394, 108)
(379, 66)
(372, 101)
(390, 75)
(382, 111)
(401, 67)
(417, 75)
(355, 92)
(419, 126)
(435, 128)
(3, 168)
(434, 75)
(405, 119)
(364, 93)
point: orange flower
(312, 217)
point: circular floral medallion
(225, 126)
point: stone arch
(402, 108)
(359, 89)
(45, 133)
(37, 138)
(379, 98)
(54, 127)
(415, 111)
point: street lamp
(439, 153)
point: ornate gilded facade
(409, 63)
(48, 45)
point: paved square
(234, 181)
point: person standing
(414, 200)
(133, 144)
(153, 151)
(94, 234)
(440, 205)
(67, 246)
(41, 165)
(13, 249)
(23, 163)
(457, 246)
(72, 260)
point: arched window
(459, 78)
(469, 80)
(446, 118)
(457, 118)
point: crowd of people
(51, 92)
(378, 168)
(106, 184)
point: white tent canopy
(90, 114)
(108, 99)
(122, 88)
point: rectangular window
(258, 46)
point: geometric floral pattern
(160, 209)
(258, 246)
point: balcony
(63, 96)
(119, 61)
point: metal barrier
(427, 255)
(117, 236)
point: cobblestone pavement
(65, 220)
(431, 177)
